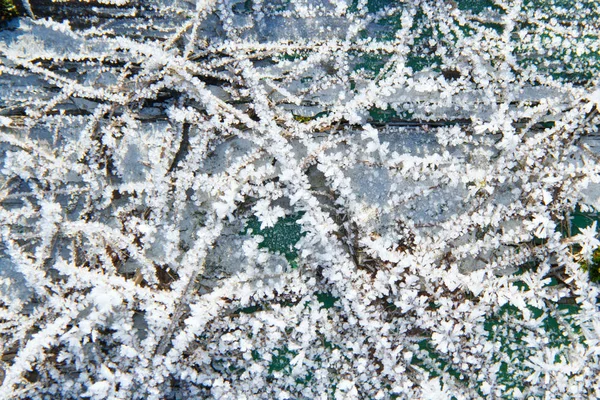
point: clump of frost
(307, 199)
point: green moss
(372, 5)
(505, 329)
(327, 299)
(578, 221)
(371, 64)
(478, 6)
(293, 56)
(499, 28)
(280, 238)
(250, 310)
(280, 360)
(433, 362)
(420, 62)
(378, 115)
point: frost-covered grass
(301, 199)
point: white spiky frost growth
(136, 152)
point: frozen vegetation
(301, 200)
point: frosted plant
(299, 199)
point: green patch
(505, 329)
(422, 55)
(377, 115)
(372, 5)
(580, 220)
(280, 238)
(327, 299)
(293, 56)
(513, 349)
(546, 124)
(553, 282)
(250, 310)
(384, 116)
(280, 360)
(433, 362)
(562, 62)
(477, 6)
(556, 334)
(565, 10)
(377, 5)
(521, 285)
(303, 381)
(328, 345)
(420, 62)
(498, 28)
(386, 29)
(371, 64)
